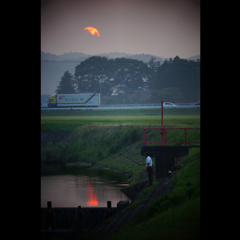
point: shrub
(93, 143)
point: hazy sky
(164, 28)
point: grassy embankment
(175, 215)
(99, 139)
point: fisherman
(149, 167)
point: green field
(123, 112)
(68, 120)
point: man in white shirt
(149, 167)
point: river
(85, 187)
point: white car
(169, 105)
(197, 104)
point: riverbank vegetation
(175, 215)
(99, 140)
(93, 145)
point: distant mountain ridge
(82, 56)
(75, 56)
(64, 57)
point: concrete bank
(120, 219)
(64, 219)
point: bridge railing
(163, 137)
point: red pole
(163, 131)
(144, 137)
(162, 113)
(185, 136)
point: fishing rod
(129, 158)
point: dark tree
(94, 75)
(66, 84)
(181, 75)
(98, 74)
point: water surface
(83, 187)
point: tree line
(176, 80)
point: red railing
(163, 132)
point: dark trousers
(150, 174)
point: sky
(163, 28)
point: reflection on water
(91, 196)
(86, 188)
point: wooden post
(80, 218)
(49, 205)
(109, 209)
(49, 217)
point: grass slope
(175, 215)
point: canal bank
(142, 197)
(184, 188)
(55, 167)
(170, 209)
(171, 203)
(99, 222)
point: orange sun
(92, 30)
